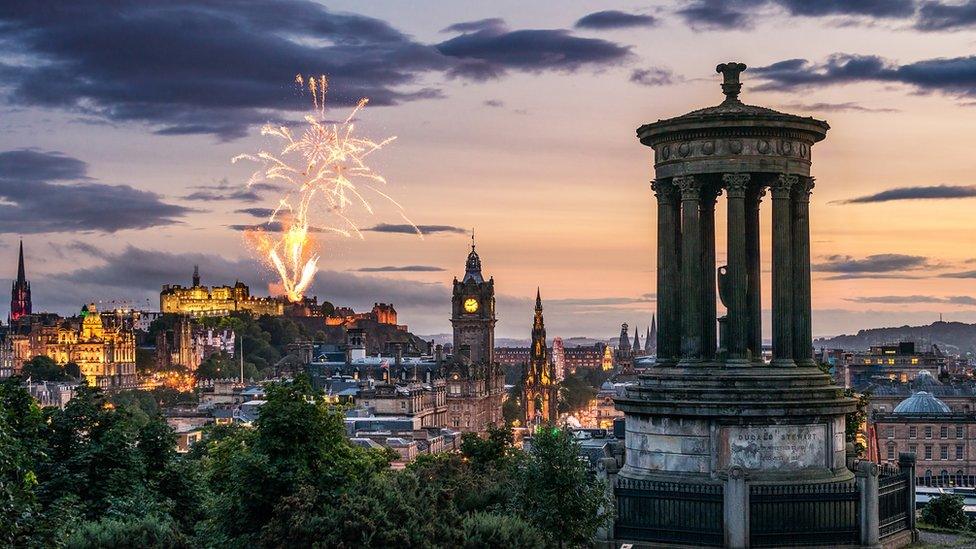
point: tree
(558, 494)
(487, 531)
(576, 393)
(492, 449)
(945, 511)
(854, 420)
(42, 368)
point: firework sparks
(324, 171)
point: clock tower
(473, 313)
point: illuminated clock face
(471, 305)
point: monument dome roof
(922, 402)
(732, 113)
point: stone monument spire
(20, 293)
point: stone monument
(712, 409)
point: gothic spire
(637, 346)
(538, 299)
(196, 276)
(21, 273)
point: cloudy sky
(517, 119)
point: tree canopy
(104, 472)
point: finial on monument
(472, 239)
(730, 82)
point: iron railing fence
(804, 514)
(669, 512)
(893, 500)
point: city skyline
(135, 186)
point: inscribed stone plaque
(772, 447)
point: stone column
(736, 185)
(802, 327)
(782, 271)
(691, 272)
(754, 271)
(735, 509)
(709, 274)
(668, 267)
(867, 488)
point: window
(891, 451)
(959, 430)
(890, 431)
(958, 451)
(943, 452)
(928, 431)
(913, 448)
(928, 451)
(914, 360)
(944, 431)
(913, 432)
(891, 361)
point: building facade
(941, 439)
(103, 349)
(199, 300)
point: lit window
(891, 361)
(914, 361)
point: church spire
(196, 276)
(20, 293)
(538, 299)
(21, 273)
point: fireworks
(324, 172)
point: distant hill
(952, 337)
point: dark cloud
(138, 274)
(270, 226)
(716, 14)
(836, 107)
(256, 212)
(909, 299)
(213, 68)
(939, 16)
(872, 264)
(225, 190)
(220, 67)
(953, 76)
(410, 229)
(401, 269)
(964, 274)
(496, 103)
(48, 192)
(919, 193)
(614, 19)
(916, 193)
(732, 14)
(487, 49)
(653, 76)
(869, 8)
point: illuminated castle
(103, 349)
(200, 300)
